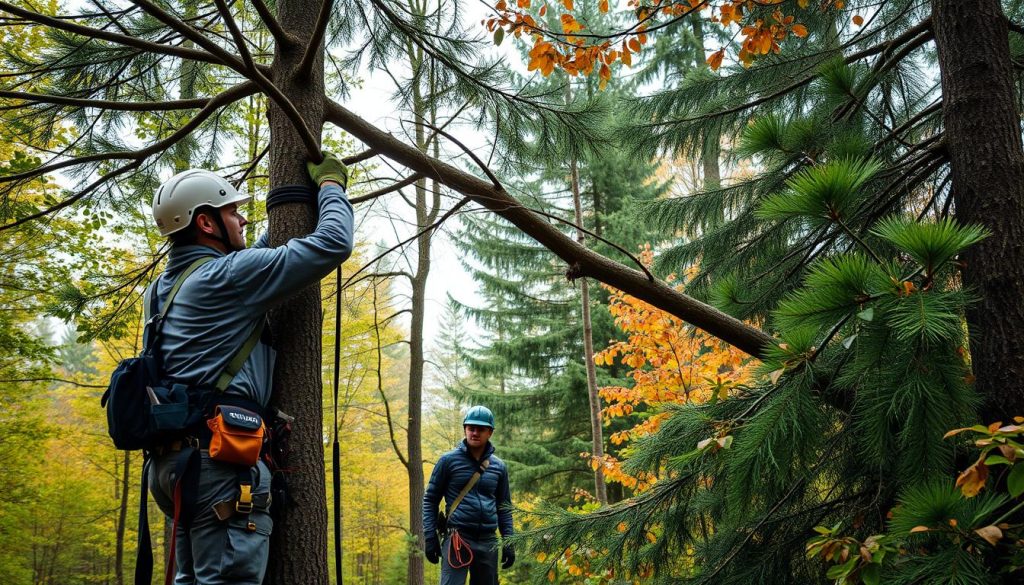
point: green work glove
(331, 169)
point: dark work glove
(432, 549)
(330, 169)
(508, 556)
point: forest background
(814, 205)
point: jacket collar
(181, 256)
(488, 450)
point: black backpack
(143, 411)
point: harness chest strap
(469, 485)
(238, 360)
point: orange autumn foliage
(670, 362)
(577, 51)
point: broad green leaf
(871, 574)
(1015, 481)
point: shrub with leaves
(670, 362)
(942, 532)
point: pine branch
(158, 106)
(77, 196)
(281, 36)
(191, 33)
(236, 34)
(126, 40)
(213, 104)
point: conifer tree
(845, 243)
(530, 363)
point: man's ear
(205, 223)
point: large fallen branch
(581, 260)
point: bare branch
(430, 227)
(359, 157)
(380, 383)
(251, 167)
(305, 68)
(59, 380)
(731, 330)
(376, 275)
(391, 189)
(487, 171)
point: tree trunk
(982, 136)
(597, 441)
(299, 541)
(414, 443)
(712, 147)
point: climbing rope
(458, 545)
(336, 447)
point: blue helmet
(480, 416)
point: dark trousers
(481, 570)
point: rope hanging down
(336, 447)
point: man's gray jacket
(221, 303)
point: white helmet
(179, 196)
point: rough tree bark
(299, 541)
(983, 139)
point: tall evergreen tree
(531, 361)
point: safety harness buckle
(244, 503)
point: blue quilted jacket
(485, 508)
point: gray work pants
(212, 551)
(483, 570)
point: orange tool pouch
(237, 435)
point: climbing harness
(456, 542)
